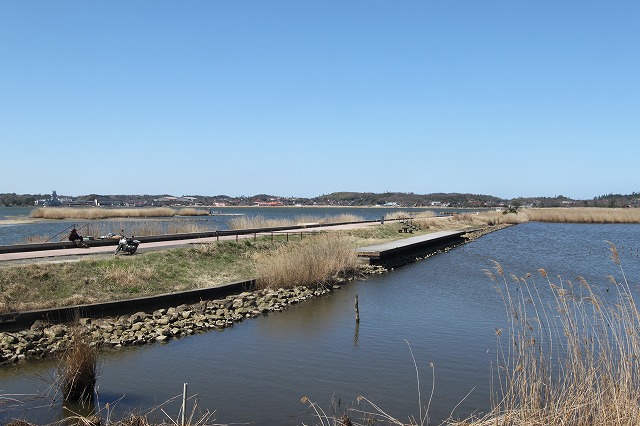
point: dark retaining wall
(22, 320)
(405, 255)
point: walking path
(161, 245)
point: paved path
(74, 252)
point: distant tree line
(11, 200)
(356, 199)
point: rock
(159, 326)
(55, 331)
(137, 317)
(163, 321)
(159, 313)
(38, 325)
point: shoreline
(43, 339)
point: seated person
(75, 238)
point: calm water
(17, 233)
(445, 307)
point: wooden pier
(399, 252)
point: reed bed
(569, 354)
(468, 220)
(35, 239)
(91, 213)
(311, 262)
(582, 215)
(258, 221)
(138, 228)
(400, 214)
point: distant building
(49, 202)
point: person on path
(74, 237)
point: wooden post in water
(357, 310)
(184, 403)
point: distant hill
(407, 199)
(355, 199)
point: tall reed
(400, 214)
(311, 262)
(104, 213)
(570, 353)
(582, 215)
(468, 220)
(258, 221)
(78, 369)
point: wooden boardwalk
(427, 242)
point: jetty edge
(399, 252)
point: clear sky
(303, 98)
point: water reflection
(445, 307)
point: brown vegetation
(400, 214)
(255, 222)
(310, 262)
(582, 215)
(104, 213)
(78, 369)
(468, 220)
(573, 362)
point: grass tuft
(78, 369)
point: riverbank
(47, 339)
(43, 340)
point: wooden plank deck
(390, 248)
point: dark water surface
(445, 307)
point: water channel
(445, 307)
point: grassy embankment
(276, 263)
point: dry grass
(92, 213)
(255, 222)
(468, 220)
(400, 214)
(311, 262)
(107, 278)
(35, 239)
(139, 228)
(571, 354)
(78, 369)
(582, 215)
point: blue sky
(304, 98)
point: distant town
(337, 199)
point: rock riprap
(141, 328)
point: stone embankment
(43, 339)
(474, 235)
